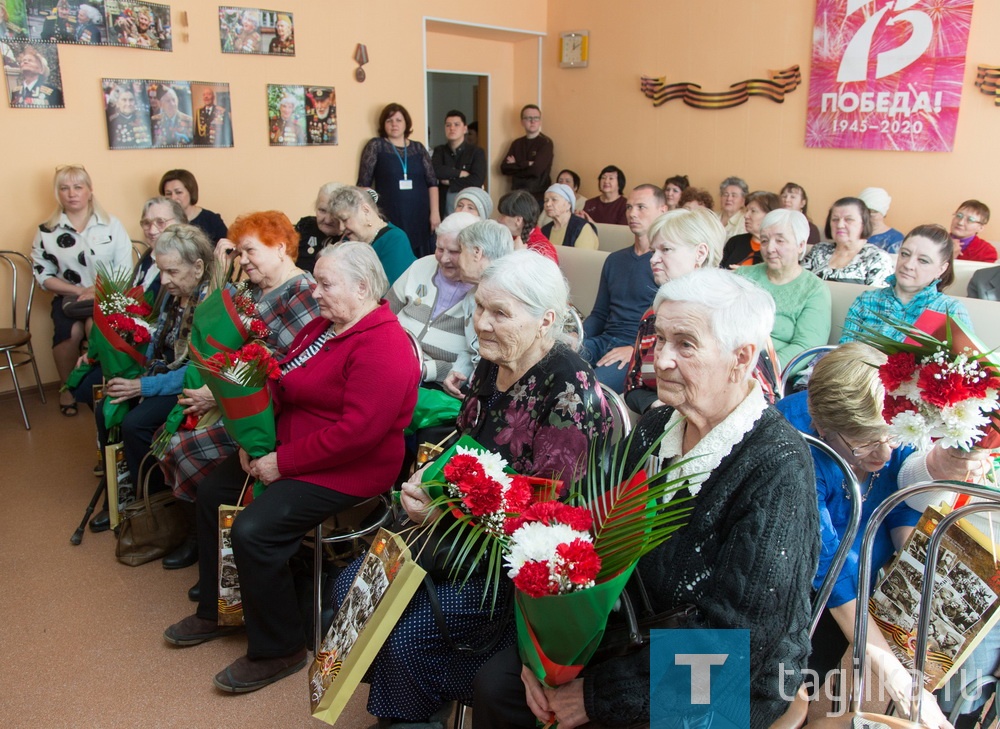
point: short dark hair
(941, 239)
(657, 192)
(978, 208)
(571, 173)
(530, 106)
(680, 181)
(767, 201)
(621, 177)
(474, 127)
(455, 112)
(866, 220)
(520, 203)
(698, 195)
(789, 187)
(185, 178)
(388, 111)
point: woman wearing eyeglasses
(966, 225)
(843, 406)
(68, 248)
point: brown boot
(193, 630)
(245, 674)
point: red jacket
(978, 249)
(340, 416)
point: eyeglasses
(531, 118)
(863, 451)
(155, 223)
(968, 218)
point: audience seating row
(582, 268)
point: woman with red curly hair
(266, 245)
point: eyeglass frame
(862, 451)
(967, 218)
(161, 223)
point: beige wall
(252, 175)
(597, 115)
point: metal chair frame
(15, 340)
(790, 369)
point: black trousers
(499, 701)
(265, 536)
(137, 431)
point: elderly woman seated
(682, 241)
(475, 201)
(609, 206)
(749, 549)
(565, 228)
(802, 301)
(318, 231)
(849, 258)
(429, 300)
(185, 259)
(696, 197)
(924, 267)
(883, 235)
(843, 406)
(733, 192)
(518, 210)
(360, 220)
(537, 404)
(744, 249)
(341, 408)
(265, 245)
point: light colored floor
(80, 634)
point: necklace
(867, 488)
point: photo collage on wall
(128, 23)
(32, 71)
(145, 114)
(301, 115)
(253, 30)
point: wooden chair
(15, 340)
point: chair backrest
(850, 531)
(138, 248)
(865, 570)
(573, 329)
(796, 362)
(621, 421)
(20, 266)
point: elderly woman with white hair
(746, 557)
(248, 41)
(286, 128)
(429, 299)
(565, 228)
(89, 24)
(802, 301)
(318, 231)
(347, 389)
(882, 236)
(360, 220)
(536, 403)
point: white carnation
(912, 428)
(536, 542)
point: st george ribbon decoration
(988, 81)
(887, 74)
(774, 88)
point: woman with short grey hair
(320, 230)
(360, 220)
(733, 193)
(482, 243)
(359, 263)
(746, 556)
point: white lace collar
(705, 457)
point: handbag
(151, 526)
(74, 308)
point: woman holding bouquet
(266, 245)
(748, 552)
(347, 388)
(536, 403)
(185, 259)
(925, 266)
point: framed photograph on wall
(131, 23)
(139, 24)
(255, 30)
(286, 111)
(13, 19)
(321, 115)
(34, 80)
(154, 114)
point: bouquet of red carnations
(223, 322)
(940, 384)
(569, 560)
(239, 382)
(121, 334)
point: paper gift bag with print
(121, 488)
(385, 584)
(230, 601)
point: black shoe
(194, 594)
(184, 556)
(101, 522)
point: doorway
(466, 92)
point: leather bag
(151, 526)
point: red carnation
(519, 494)
(481, 495)
(533, 579)
(259, 328)
(190, 422)
(141, 336)
(898, 369)
(461, 468)
(121, 323)
(940, 388)
(582, 562)
(893, 406)
(139, 308)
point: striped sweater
(449, 341)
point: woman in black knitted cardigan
(748, 553)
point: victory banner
(887, 74)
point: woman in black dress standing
(400, 170)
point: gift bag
(230, 601)
(385, 583)
(121, 489)
(151, 526)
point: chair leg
(17, 390)
(460, 712)
(34, 368)
(317, 589)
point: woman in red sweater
(347, 389)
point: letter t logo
(701, 673)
